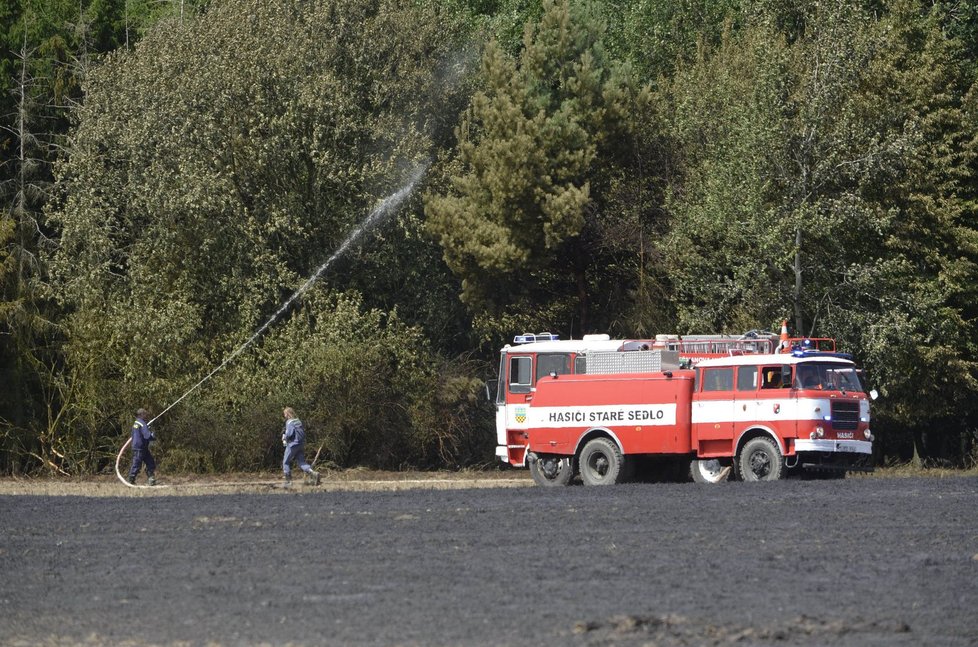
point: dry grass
(262, 483)
(337, 480)
(906, 470)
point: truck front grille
(845, 415)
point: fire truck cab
(763, 414)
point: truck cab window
(771, 377)
(501, 382)
(718, 379)
(520, 374)
(747, 378)
(559, 363)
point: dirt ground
(491, 561)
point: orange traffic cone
(784, 336)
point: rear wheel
(760, 460)
(552, 471)
(602, 463)
(710, 470)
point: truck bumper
(835, 455)
(834, 446)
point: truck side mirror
(874, 394)
(491, 389)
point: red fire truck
(596, 407)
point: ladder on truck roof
(642, 361)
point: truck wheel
(552, 471)
(601, 463)
(760, 460)
(710, 470)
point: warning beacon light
(529, 338)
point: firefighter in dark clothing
(294, 441)
(142, 436)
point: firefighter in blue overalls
(142, 436)
(294, 440)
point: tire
(552, 471)
(760, 460)
(710, 470)
(602, 463)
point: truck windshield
(827, 377)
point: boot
(288, 481)
(132, 480)
(152, 480)
(314, 476)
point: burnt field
(867, 561)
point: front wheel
(710, 470)
(760, 460)
(552, 471)
(602, 463)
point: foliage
(173, 171)
(850, 137)
(212, 170)
(368, 388)
(518, 221)
(655, 35)
(46, 50)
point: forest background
(173, 171)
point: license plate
(842, 447)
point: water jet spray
(376, 215)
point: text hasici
(607, 416)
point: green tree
(520, 217)
(368, 387)
(46, 50)
(27, 335)
(838, 162)
(909, 300)
(656, 35)
(728, 244)
(220, 163)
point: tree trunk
(799, 321)
(583, 300)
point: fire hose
(118, 472)
(385, 207)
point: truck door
(519, 373)
(776, 402)
(519, 378)
(523, 371)
(747, 406)
(713, 411)
(515, 387)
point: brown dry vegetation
(360, 480)
(264, 482)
